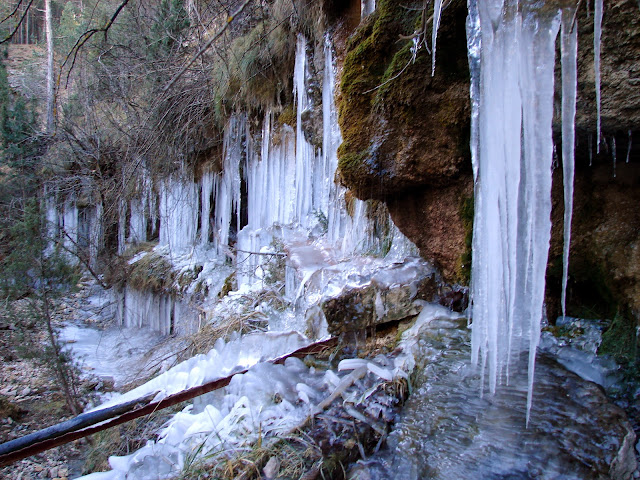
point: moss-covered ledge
(401, 127)
(406, 133)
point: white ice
(512, 226)
(597, 36)
(569, 58)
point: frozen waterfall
(512, 58)
(275, 200)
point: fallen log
(92, 422)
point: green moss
(620, 340)
(288, 116)
(229, 285)
(350, 163)
(383, 81)
(370, 60)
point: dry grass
(204, 339)
(294, 456)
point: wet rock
(386, 297)
(406, 133)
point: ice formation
(178, 213)
(437, 11)
(597, 35)
(367, 7)
(512, 62)
(614, 154)
(569, 59)
(160, 313)
(71, 229)
(267, 401)
(274, 201)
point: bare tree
(50, 84)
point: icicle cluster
(76, 230)
(156, 312)
(275, 187)
(512, 57)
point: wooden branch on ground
(89, 423)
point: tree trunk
(64, 374)
(50, 85)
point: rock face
(605, 257)
(405, 133)
(406, 141)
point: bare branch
(86, 36)
(24, 15)
(12, 13)
(207, 45)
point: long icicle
(437, 12)
(597, 35)
(569, 58)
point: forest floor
(29, 401)
(30, 398)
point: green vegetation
(621, 340)
(39, 273)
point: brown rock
(379, 301)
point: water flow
(513, 162)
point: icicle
(367, 7)
(304, 151)
(513, 188)
(613, 154)
(597, 34)
(474, 46)
(122, 225)
(590, 145)
(178, 214)
(205, 201)
(569, 58)
(437, 12)
(628, 146)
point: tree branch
(15, 30)
(86, 36)
(207, 45)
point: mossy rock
(401, 127)
(8, 409)
(153, 273)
